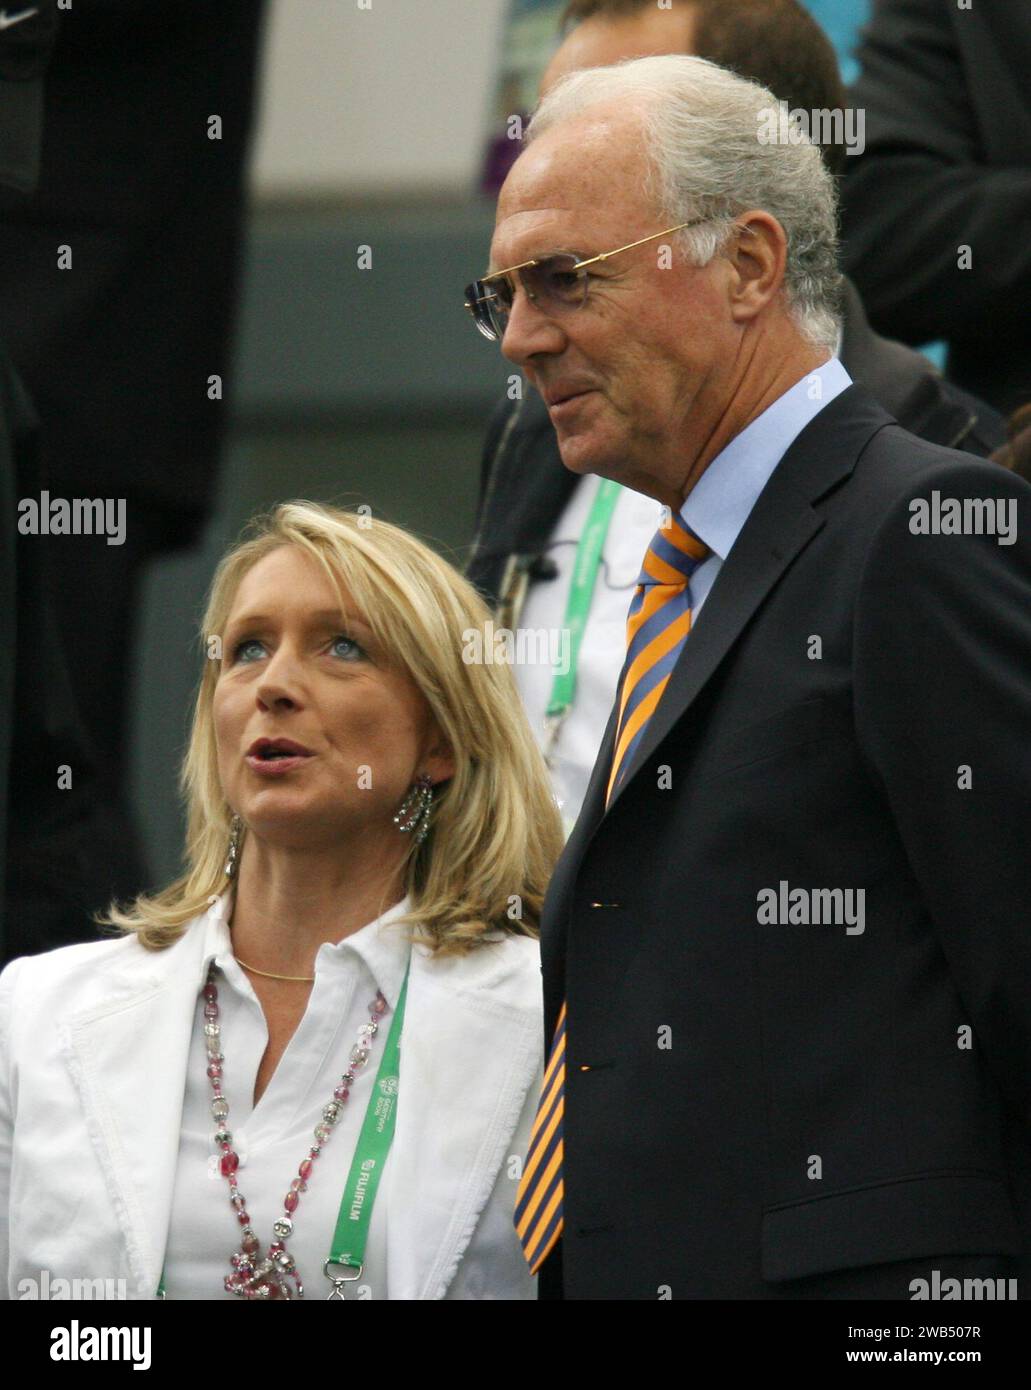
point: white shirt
(635, 519)
(273, 1137)
(716, 510)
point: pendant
(267, 1278)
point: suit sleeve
(922, 189)
(943, 712)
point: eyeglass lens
(552, 285)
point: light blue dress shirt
(721, 501)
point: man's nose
(530, 331)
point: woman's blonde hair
(494, 832)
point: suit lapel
(127, 1057)
(781, 524)
(756, 562)
(753, 567)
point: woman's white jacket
(93, 1049)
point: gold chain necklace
(295, 979)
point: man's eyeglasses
(556, 284)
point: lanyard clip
(339, 1280)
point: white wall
(394, 99)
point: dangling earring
(413, 815)
(235, 832)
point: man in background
(936, 213)
(61, 846)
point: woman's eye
(250, 649)
(244, 651)
(345, 647)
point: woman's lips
(275, 767)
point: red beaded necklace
(270, 1276)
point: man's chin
(582, 454)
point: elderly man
(533, 511)
(787, 970)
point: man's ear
(758, 255)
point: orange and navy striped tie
(657, 626)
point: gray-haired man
(785, 955)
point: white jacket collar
(382, 946)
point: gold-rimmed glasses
(556, 284)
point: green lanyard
(578, 605)
(355, 1215)
(352, 1229)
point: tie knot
(674, 554)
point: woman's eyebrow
(324, 617)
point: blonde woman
(308, 1067)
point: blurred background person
(1016, 452)
(370, 836)
(117, 289)
(539, 524)
(937, 210)
(531, 31)
(61, 844)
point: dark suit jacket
(116, 352)
(795, 1049)
(60, 847)
(524, 486)
(947, 164)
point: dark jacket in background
(947, 164)
(61, 847)
(116, 352)
(524, 486)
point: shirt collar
(383, 947)
(719, 504)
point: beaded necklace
(274, 1274)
